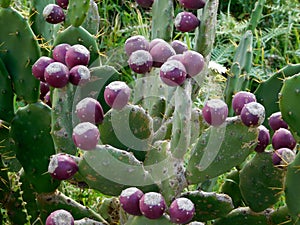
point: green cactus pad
(109, 209)
(139, 220)
(92, 20)
(209, 205)
(77, 11)
(19, 50)
(33, 144)
(261, 183)
(5, 3)
(243, 215)
(6, 95)
(281, 216)
(219, 149)
(111, 170)
(288, 99)
(128, 129)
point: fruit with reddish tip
(276, 121)
(44, 88)
(186, 22)
(263, 139)
(38, 68)
(181, 211)
(173, 73)
(283, 157)
(77, 55)
(145, 3)
(215, 112)
(152, 205)
(134, 43)
(63, 3)
(140, 61)
(60, 217)
(62, 166)
(86, 136)
(253, 114)
(129, 200)
(79, 75)
(179, 46)
(59, 52)
(161, 52)
(117, 94)
(283, 138)
(192, 4)
(193, 62)
(57, 75)
(240, 99)
(54, 14)
(89, 110)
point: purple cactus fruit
(240, 99)
(60, 217)
(53, 14)
(215, 112)
(145, 3)
(38, 68)
(186, 22)
(44, 88)
(86, 136)
(152, 205)
(179, 46)
(156, 41)
(47, 99)
(263, 138)
(160, 52)
(181, 211)
(134, 43)
(63, 3)
(283, 138)
(193, 62)
(173, 73)
(178, 57)
(276, 121)
(192, 4)
(77, 55)
(129, 200)
(57, 74)
(79, 75)
(59, 52)
(253, 114)
(117, 94)
(62, 166)
(283, 156)
(89, 110)
(140, 61)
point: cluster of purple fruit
(175, 61)
(54, 13)
(152, 205)
(60, 217)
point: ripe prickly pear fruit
(47, 99)
(240, 99)
(77, 55)
(283, 157)
(193, 62)
(117, 94)
(129, 200)
(179, 46)
(192, 4)
(156, 41)
(59, 52)
(152, 205)
(89, 110)
(57, 75)
(173, 73)
(86, 136)
(134, 43)
(276, 121)
(181, 211)
(38, 68)
(253, 114)
(140, 61)
(145, 3)
(62, 166)
(215, 112)
(60, 217)
(79, 75)
(160, 52)
(53, 14)
(283, 138)
(186, 22)
(263, 138)
(63, 3)
(178, 57)
(44, 88)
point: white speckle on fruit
(129, 191)
(140, 57)
(152, 198)
(84, 127)
(62, 217)
(216, 104)
(53, 164)
(54, 67)
(185, 204)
